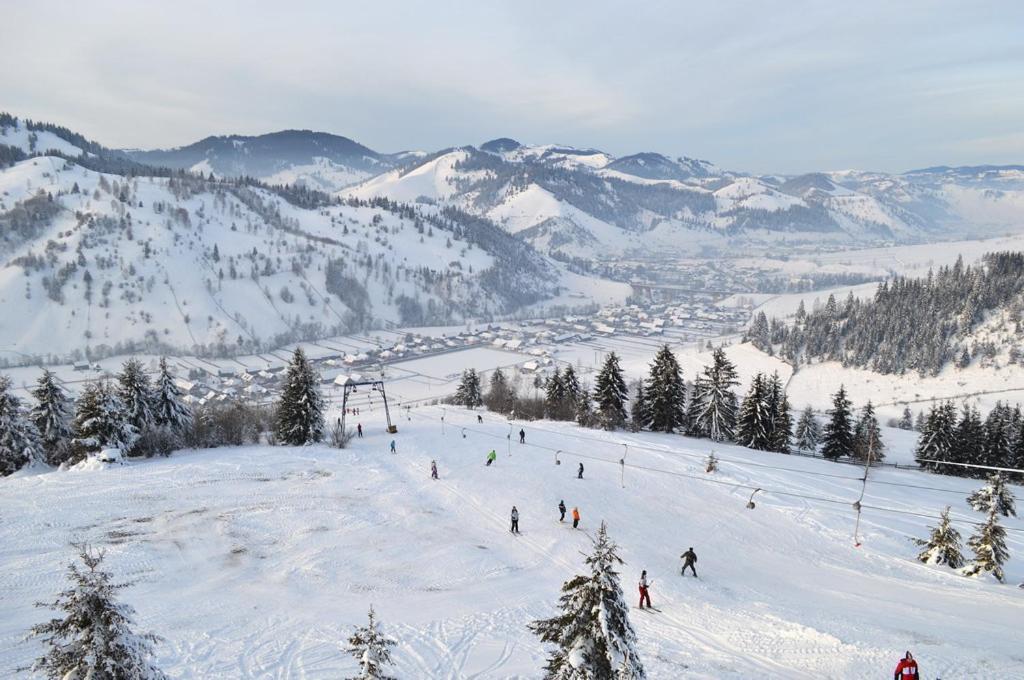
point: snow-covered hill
(257, 562)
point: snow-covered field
(255, 562)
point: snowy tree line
(949, 436)
(911, 324)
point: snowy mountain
(117, 264)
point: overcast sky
(758, 86)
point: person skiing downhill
(393, 446)
(522, 436)
(689, 559)
(907, 669)
(491, 457)
(359, 430)
(561, 509)
(433, 469)
(515, 521)
(479, 419)
(575, 518)
(579, 473)
(644, 594)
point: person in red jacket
(907, 669)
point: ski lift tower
(352, 386)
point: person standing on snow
(575, 518)
(479, 419)
(689, 559)
(644, 594)
(393, 446)
(433, 469)
(561, 509)
(359, 430)
(522, 436)
(579, 473)
(515, 521)
(491, 457)
(907, 669)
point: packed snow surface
(257, 562)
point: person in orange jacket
(907, 669)
(575, 518)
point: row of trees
(948, 443)
(762, 420)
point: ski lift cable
(971, 465)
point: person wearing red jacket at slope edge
(907, 669)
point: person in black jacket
(579, 473)
(561, 509)
(689, 559)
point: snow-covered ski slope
(255, 562)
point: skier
(575, 518)
(433, 469)
(644, 595)
(393, 446)
(479, 419)
(907, 669)
(359, 430)
(561, 509)
(515, 521)
(689, 559)
(522, 436)
(491, 457)
(579, 473)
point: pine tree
(837, 438)
(989, 546)
(994, 496)
(500, 395)
(867, 436)
(780, 429)
(942, 545)
(716, 412)
(639, 413)
(584, 411)
(468, 393)
(372, 649)
(935, 442)
(592, 634)
(52, 418)
(968, 442)
(169, 410)
(906, 421)
(695, 427)
(571, 385)
(808, 431)
(19, 440)
(95, 637)
(610, 394)
(300, 410)
(554, 397)
(998, 436)
(666, 393)
(754, 424)
(101, 421)
(136, 394)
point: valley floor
(256, 562)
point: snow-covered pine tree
(837, 438)
(52, 418)
(714, 403)
(19, 440)
(468, 393)
(639, 413)
(95, 638)
(610, 394)
(169, 410)
(300, 410)
(584, 411)
(593, 636)
(808, 431)
(989, 546)
(994, 495)
(666, 393)
(372, 649)
(781, 424)
(500, 395)
(695, 427)
(136, 394)
(942, 545)
(554, 397)
(968, 442)
(571, 385)
(754, 423)
(867, 436)
(100, 421)
(935, 443)
(906, 421)
(998, 436)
